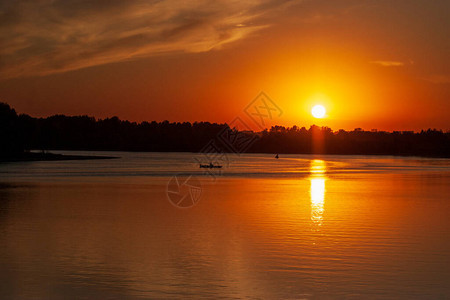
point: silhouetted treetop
(21, 132)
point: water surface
(301, 227)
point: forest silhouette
(21, 133)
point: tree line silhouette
(21, 133)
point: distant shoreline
(30, 156)
(83, 132)
(49, 156)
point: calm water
(300, 227)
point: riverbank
(34, 156)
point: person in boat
(211, 165)
(276, 156)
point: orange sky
(372, 64)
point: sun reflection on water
(317, 192)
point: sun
(318, 111)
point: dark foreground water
(300, 227)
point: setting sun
(318, 111)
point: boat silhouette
(210, 166)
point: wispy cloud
(438, 79)
(42, 37)
(388, 63)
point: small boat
(276, 156)
(210, 166)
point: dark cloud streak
(49, 36)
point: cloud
(387, 63)
(438, 79)
(41, 37)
